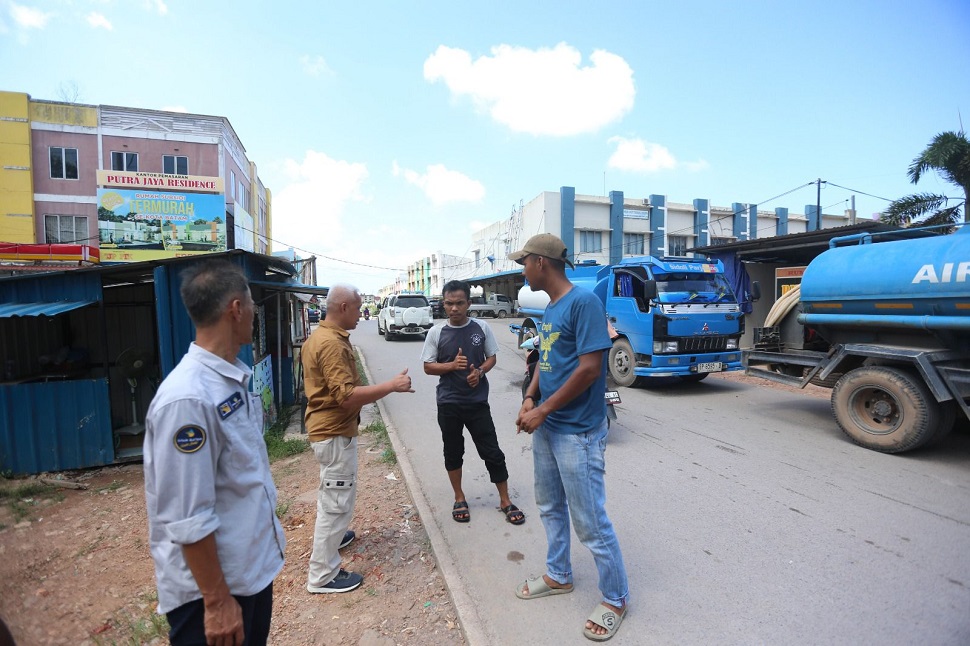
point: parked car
(313, 315)
(497, 305)
(437, 308)
(404, 314)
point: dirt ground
(77, 569)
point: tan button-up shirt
(329, 378)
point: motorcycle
(366, 315)
(531, 346)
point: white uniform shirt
(206, 470)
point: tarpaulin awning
(294, 288)
(9, 310)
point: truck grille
(703, 343)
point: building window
(232, 184)
(124, 161)
(175, 165)
(66, 229)
(716, 242)
(677, 246)
(63, 163)
(633, 244)
(590, 241)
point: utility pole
(818, 201)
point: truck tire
(622, 363)
(473, 314)
(502, 314)
(885, 409)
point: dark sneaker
(349, 537)
(344, 582)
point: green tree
(949, 155)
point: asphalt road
(744, 515)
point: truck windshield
(694, 288)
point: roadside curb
(465, 608)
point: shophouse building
(126, 184)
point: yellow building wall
(16, 177)
(69, 114)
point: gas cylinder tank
(919, 277)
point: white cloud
(542, 92)
(97, 20)
(308, 212)
(28, 17)
(158, 6)
(314, 65)
(443, 186)
(639, 156)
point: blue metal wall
(55, 426)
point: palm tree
(949, 155)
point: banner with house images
(146, 224)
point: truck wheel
(622, 363)
(473, 314)
(502, 314)
(885, 409)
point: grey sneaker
(349, 537)
(344, 582)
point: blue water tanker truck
(886, 324)
(672, 317)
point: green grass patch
(146, 627)
(382, 441)
(24, 499)
(279, 446)
(114, 486)
(360, 369)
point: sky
(388, 131)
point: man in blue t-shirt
(460, 352)
(569, 434)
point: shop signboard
(146, 224)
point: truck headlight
(732, 344)
(665, 347)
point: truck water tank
(530, 301)
(920, 283)
(586, 276)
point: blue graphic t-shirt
(572, 326)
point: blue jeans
(569, 481)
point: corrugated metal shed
(8, 310)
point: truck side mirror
(755, 291)
(650, 289)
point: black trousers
(477, 418)
(187, 622)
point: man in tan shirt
(334, 399)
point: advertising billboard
(136, 225)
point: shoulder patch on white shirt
(189, 439)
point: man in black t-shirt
(460, 352)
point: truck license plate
(714, 366)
